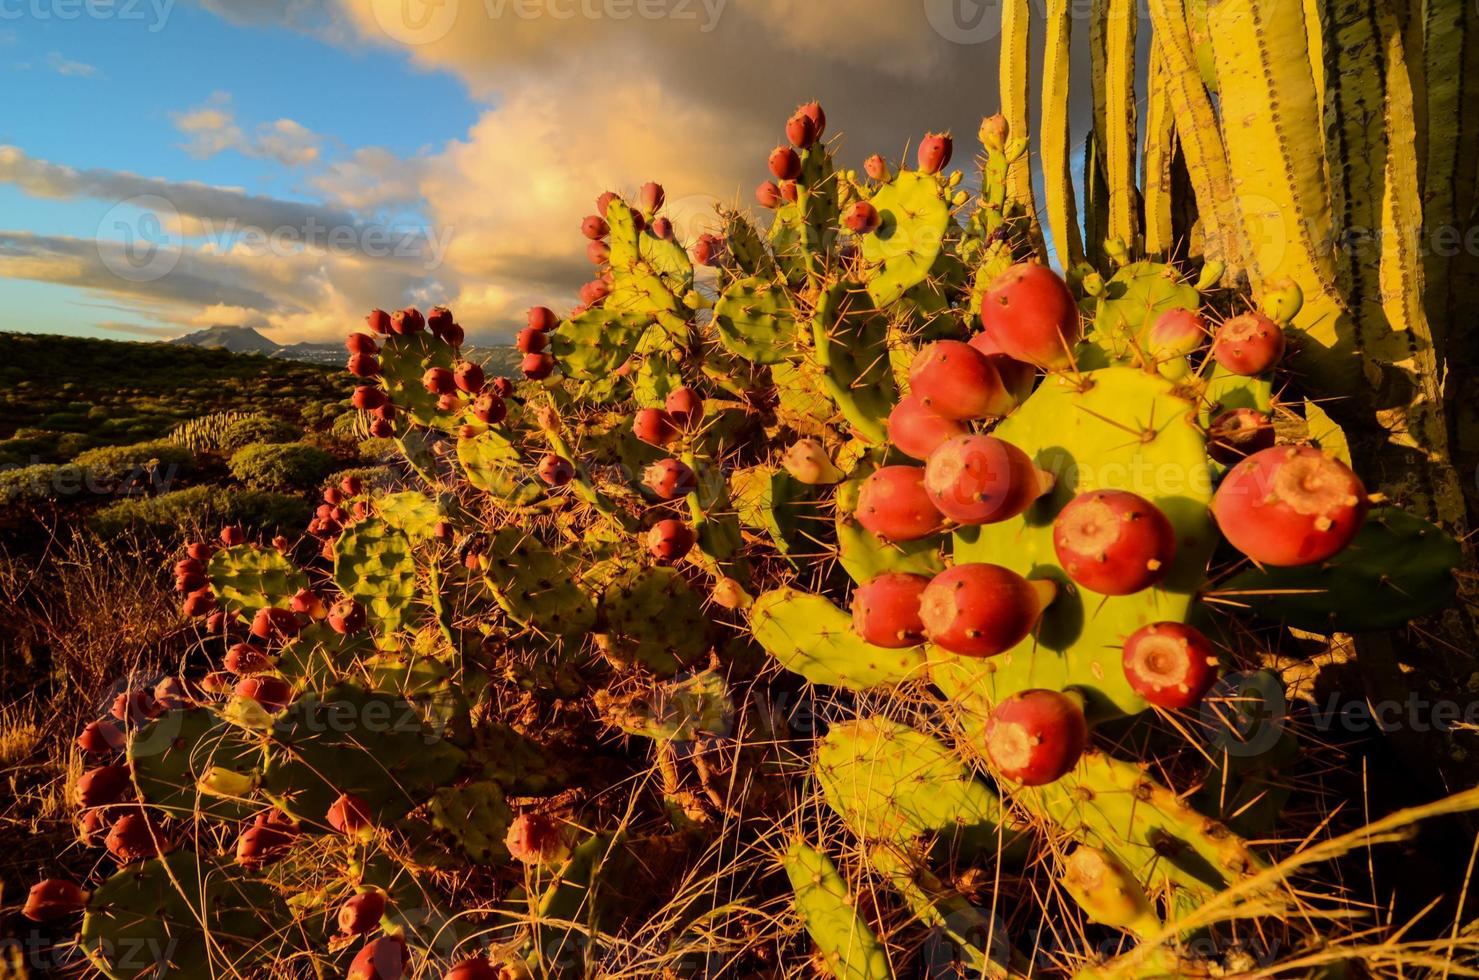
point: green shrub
(348, 426)
(381, 478)
(31, 485)
(108, 463)
(377, 450)
(253, 429)
(21, 452)
(203, 508)
(281, 466)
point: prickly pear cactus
(246, 578)
(374, 565)
(846, 941)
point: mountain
(498, 360)
(238, 340)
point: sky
(167, 165)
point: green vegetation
(281, 466)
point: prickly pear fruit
(808, 462)
(1113, 542)
(542, 318)
(555, 470)
(502, 387)
(360, 913)
(1017, 377)
(536, 838)
(350, 816)
(537, 367)
(272, 693)
(885, 610)
(270, 622)
(54, 899)
(135, 706)
(654, 426)
(103, 785)
(1176, 332)
(978, 479)
(477, 968)
(134, 837)
(651, 197)
(894, 504)
(407, 321)
(378, 321)
(361, 343)
(364, 365)
(1171, 665)
(383, 958)
(262, 844)
(469, 377)
(801, 131)
(813, 111)
(784, 163)
(917, 430)
(243, 658)
(669, 540)
(768, 194)
(1107, 891)
(684, 407)
(708, 250)
(200, 550)
(1035, 736)
(100, 738)
(1032, 316)
(368, 398)
(788, 191)
(955, 380)
(876, 167)
(1290, 505)
(346, 616)
(670, 479)
(935, 151)
(862, 218)
(1238, 434)
(489, 409)
(439, 321)
(980, 610)
(1248, 344)
(595, 227)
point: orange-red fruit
(270, 622)
(361, 343)
(53, 899)
(469, 377)
(935, 151)
(489, 409)
(350, 815)
(200, 550)
(232, 535)
(542, 318)
(263, 844)
(768, 194)
(476, 968)
(439, 320)
(136, 706)
(364, 365)
(708, 249)
(134, 837)
(670, 479)
(243, 658)
(595, 227)
(599, 253)
(199, 603)
(876, 167)
(103, 785)
(384, 958)
(502, 387)
(651, 197)
(957, 381)
(537, 838)
(669, 540)
(378, 321)
(789, 191)
(1035, 737)
(978, 479)
(1177, 331)
(885, 610)
(981, 610)
(917, 430)
(1171, 665)
(813, 111)
(1113, 542)
(361, 913)
(1030, 313)
(368, 397)
(784, 163)
(1290, 505)
(537, 367)
(862, 218)
(662, 228)
(594, 291)
(654, 426)
(555, 470)
(381, 429)
(407, 321)
(684, 407)
(1248, 344)
(893, 504)
(272, 693)
(801, 131)
(439, 381)
(1238, 434)
(100, 737)
(1017, 377)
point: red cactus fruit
(100, 737)
(669, 540)
(364, 365)
(917, 430)
(594, 291)
(662, 228)
(216, 622)
(407, 322)
(346, 616)
(595, 227)
(439, 381)
(935, 151)
(599, 253)
(1238, 434)
(651, 197)
(200, 550)
(352, 486)
(1113, 542)
(537, 838)
(670, 479)
(530, 341)
(199, 603)
(784, 163)
(885, 610)
(134, 837)
(217, 682)
(261, 845)
(654, 426)
(768, 194)
(555, 470)
(378, 321)
(135, 706)
(542, 318)
(1017, 377)
(978, 479)
(789, 191)
(271, 622)
(957, 381)
(981, 610)
(308, 603)
(603, 203)
(1248, 344)
(272, 693)
(1290, 505)
(685, 407)
(476, 968)
(361, 343)
(368, 397)
(1035, 737)
(813, 111)
(361, 913)
(381, 429)
(232, 535)
(1177, 331)
(175, 692)
(862, 218)
(708, 250)
(449, 402)
(244, 658)
(489, 409)
(53, 899)
(454, 335)
(469, 377)
(1171, 665)
(537, 367)
(1031, 315)
(439, 320)
(384, 958)
(350, 815)
(877, 168)
(103, 785)
(801, 131)
(503, 387)
(893, 504)
(92, 825)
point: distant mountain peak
(239, 340)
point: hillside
(498, 359)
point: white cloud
(70, 68)
(212, 129)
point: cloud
(372, 178)
(212, 129)
(72, 69)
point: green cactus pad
(404, 361)
(374, 565)
(865, 556)
(673, 711)
(410, 511)
(852, 347)
(190, 761)
(813, 638)
(755, 320)
(848, 946)
(656, 619)
(318, 657)
(1398, 568)
(245, 578)
(493, 465)
(890, 782)
(1225, 391)
(535, 586)
(1131, 302)
(1127, 431)
(773, 501)
(799, 386)
(477, 818)
(913, 219)
(594, 344)
(183, 917)
(746, 247)
(349, 740)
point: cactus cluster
(877, 451)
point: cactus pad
(594, 344)
(411, 511)
(755, 320)
(374, 565)
(476, 817)
(913, 219)
(189, 761)
(246, 578)
(656, 619)
(848, 946)
(1131, 302)
(534, 585)
(813, 638)
(493, 465)
(404, 360)
(865, 556)
(672, 711)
